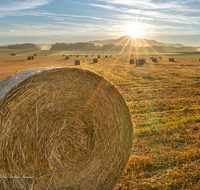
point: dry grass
(163, 98)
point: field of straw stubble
(164, 101)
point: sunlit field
(164, 101)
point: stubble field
(164, 101)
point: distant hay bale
(140, 62)
(86, 56)
(29, 58)
(154, 59)
(77, 62)
(131, 55)
(63, 55)
(35, 54)
(67, 57)
(106, 56)
(131, 61)
(99, 56)
(110, 55)
(63, 128)
(92, 55)
(32, 57)
(171, 59)
(144, 60)
(95, 60)
(11, 54)
(77, 55)
(160, 57)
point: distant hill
(135, 42)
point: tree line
(85, 46)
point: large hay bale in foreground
(63, 128)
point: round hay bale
(110, 55)
(29, 58)
(140, 62)
(131, 61)
(171, 59)
(106, 56)
(86, 56)
(95, 60)
(77, 55)
(11, 54)
(67, 57)
(63, 128)
(99, 56)
(35, 54)
(154, 59)
(77, 62)
(32, 57)
(63, 55)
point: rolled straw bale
(106, 56)
(131, 55)
(63, 55)
(77, 62)
(35, 54)
(154, 59)
(86, 56)
(77, 55)
(67, 57)
(29, 58)
(139, 62)
(171, 59)
(99, 56)
(32, 57)
(160, 57)
(95, 60)
(11, 54)
(110, 55)
(62, 128)
(131, 61)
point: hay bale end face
(77, 62)
(131, 61)
(67, 57)
(171, 59)
(95, 60)
(64, 128)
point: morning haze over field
(50, 21)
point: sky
(68, 21)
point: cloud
(9, 6)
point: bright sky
(50, 21)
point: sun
(134, 30)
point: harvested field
(164, 101)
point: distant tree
(22, 46)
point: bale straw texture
(62, 128)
